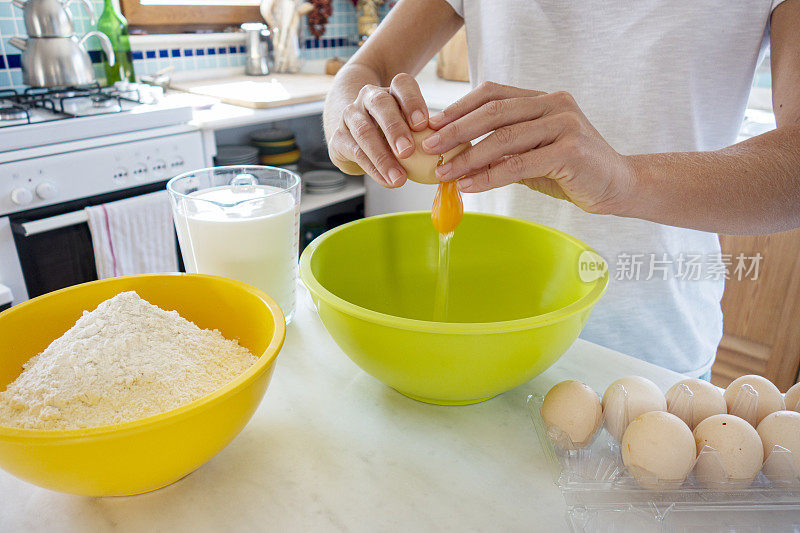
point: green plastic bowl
(516, 303)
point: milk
(254, 241)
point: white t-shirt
(651, 76)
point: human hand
(538, 139)
(375, 130)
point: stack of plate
(323, 181)
(236, 155)
(276, 146)
(319, 160)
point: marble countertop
(332, 449)
(438, 93)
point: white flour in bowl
(127, 359)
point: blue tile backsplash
(339, 40)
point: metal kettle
(59, 61)
(50, 18)
(258, 47)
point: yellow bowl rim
(466, 328)
(265, 361)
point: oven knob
(139, 171)
(21, 196)
(120, 175)
(46, 190)
(159, 166)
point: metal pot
(50, 18)
(59, 61)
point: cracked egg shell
(420, 165)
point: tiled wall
(150, 59)
(339, 40)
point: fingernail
(435, 119)
(395, 175)
(442, 170)
(417, 118)
(464, 183)
(431, 142)
(403, 144)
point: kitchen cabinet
(762, 316)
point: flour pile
(127, 359)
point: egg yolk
(447, 208)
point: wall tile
(16, 76)
(8, 27)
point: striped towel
(133, 236)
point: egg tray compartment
(602, 495)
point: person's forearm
(748, 188)
(349, 80)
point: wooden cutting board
(260, 92)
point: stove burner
(10, 112)
(36, 105)
(102, 101)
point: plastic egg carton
(602, 495)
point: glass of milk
(241, 222)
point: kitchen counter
(332, 449)
(438, 94)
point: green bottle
(114, 25)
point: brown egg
(658, 449)
(738, 452)
(781, 428)
(770, 398)
(694, 400)
(573, 409)
(792, 398)
(627, 398)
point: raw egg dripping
(448, 208)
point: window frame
(183, 18)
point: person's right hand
(375, 131)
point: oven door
(54, 244)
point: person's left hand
(541, 140)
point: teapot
(59, 61)
(50, 18)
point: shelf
(353, 189)
(222, 116)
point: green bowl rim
(265, 361)
(475, 328)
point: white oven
(44, 237)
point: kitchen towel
(133, 236)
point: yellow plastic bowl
(149, 453)
(517, 301)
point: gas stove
(38, 117)
(62, 150)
